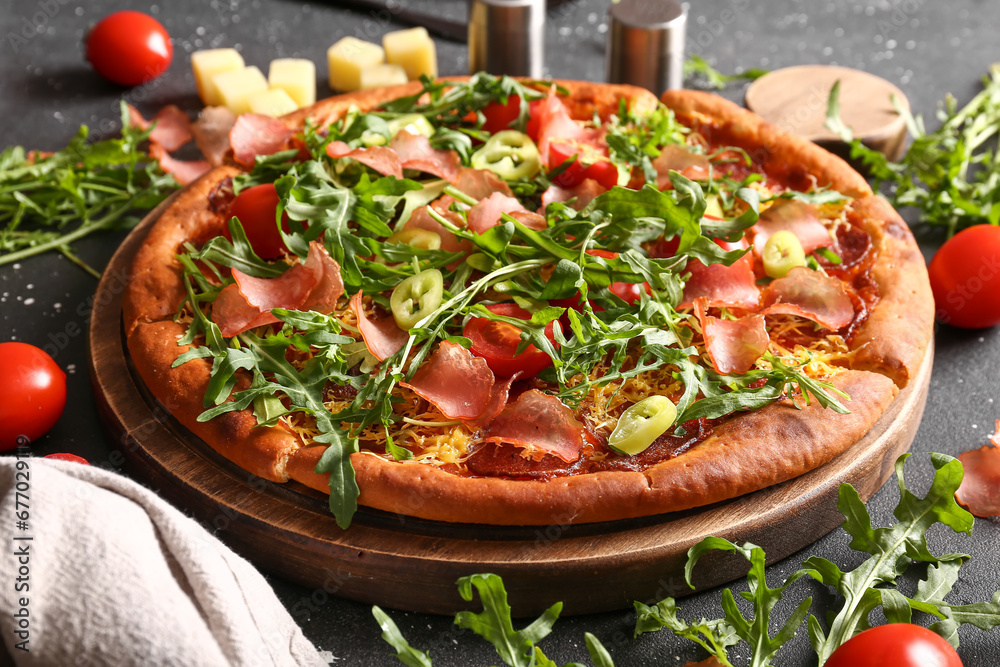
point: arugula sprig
(698, 71)
(50, 201)
(950, 175)
(517, 648)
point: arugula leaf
(698, 71)
(515, 647)
(404, 652)
(892, 550)
(715, 636)
(239, 254)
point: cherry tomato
(129, 48)
(65, 456)
(32, 393)
(496, 342)
(534, 124)
(895, 645)
(500, 116)
(965, 278)
(255, 207)
(589, 164)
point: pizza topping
(812, 295)
(980, 488)
(184, 171)
(457, 382)
(416, 298)
(487, 212)
(415, 152)
(721, 286)
(382, 337)
(254, 135)
(211, 133)
(797, 217)
(421, 219)
(541, 424)
(497, 342)
(498, 401)
(678, 158)
(509, 154)
(733, 345)
(642, 423)
(381, 159)
(172, 127)
(580, 195)
(481, 183)
(782, 253)
(555, 123)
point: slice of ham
(722, 286)
(980, 488)
(415, 152)
(421, 219)
(481, 183)
(809, 294)
(554, 122)
(183, 171)
(455, 381)
(677, 158)
(173, 129)
(487, 212)
(531, 220)
(541, 424)
(254, 135)
(585, 192)
(732, 345)
(797, 217)
(381, 159)
(247, 303)
(382, 337)
(211, 133)
(498, 401)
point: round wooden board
(412, 564)
(794, 99)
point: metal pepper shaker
(646, 43)
(507, 37)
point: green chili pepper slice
(416, 297)
(641, 424)
(782, 253)
(417, 238)
(509, 154)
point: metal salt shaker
(507, 37)
(646, 44)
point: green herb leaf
(715, 636)
(405, 653)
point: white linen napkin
(107, 573)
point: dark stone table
(927, 48)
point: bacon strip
(455, 381)
(382, 337)
(722, 286)
(173, 129)
(211, 133)
(315, 284)
(381, 159)
(795, 216)
(183, 171)
(541, 424)
(812, 295)
(415, 152)
(254, 135)
(732, 345)
(585, 192)
(487, 212)
(980, 488)
(498, 401)
(481, 183)
(677, 158)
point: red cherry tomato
(895, 645)
(255, 207)
(129, 48)
(589, 164)
(965, 278)
(65, 456)
(500, 116)
(32, 393)
(534, 124)
(496, 342)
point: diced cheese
(275, 102)
(377, 76)
(295, 76)
(413, 49)
(206, 64)
(236, 88)
(347, 58)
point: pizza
(502, 302)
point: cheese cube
(275, 102)
(206, 64)
(413, 49)
(347, 58)
(295, 76)
(236, 88)
(377, 76)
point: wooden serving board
(412, 564)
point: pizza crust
(745, 453)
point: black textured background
(927, 48)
